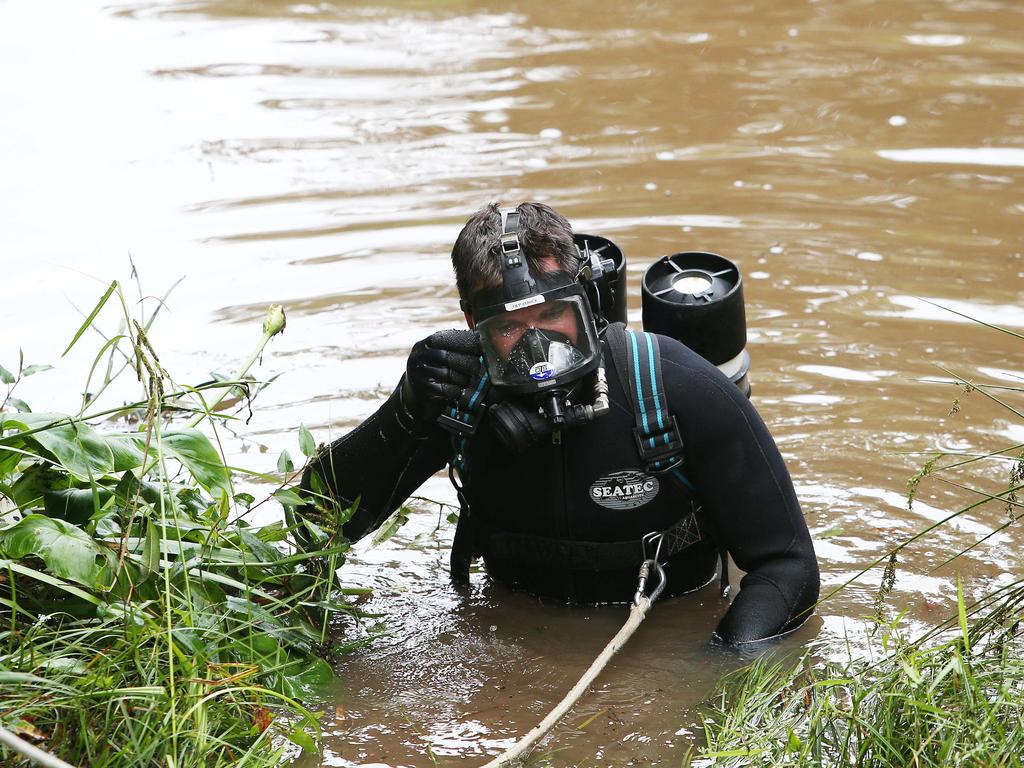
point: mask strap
(515, 274)
(509, 233)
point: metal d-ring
(652, 541)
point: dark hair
(543, 233)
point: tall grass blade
(92, 316)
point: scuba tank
(697, 298)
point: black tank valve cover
(697, 298)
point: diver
(575, 443)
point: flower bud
(274, 322)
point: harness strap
(462, 420)
(637, 359)
(464, 416)
(638, 365)
(583, 555)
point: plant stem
(239, 375)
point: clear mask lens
(539, 343)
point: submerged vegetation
(145, 619)
(953, 695)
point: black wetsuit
(592, 487)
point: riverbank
(146, 617)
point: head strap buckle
(510, 246)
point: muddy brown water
(858, 160)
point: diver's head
(517, 271)
(545, 239)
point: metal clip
(651, 544)
(458, 426)
(645, 573)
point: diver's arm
(380, 463)
(390, 454)
(748, 495)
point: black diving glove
(439, 368)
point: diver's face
(508, 328)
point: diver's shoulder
(678, 355)
(683, 370)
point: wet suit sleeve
(380, 463)
(748, 496)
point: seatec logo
(627, 489)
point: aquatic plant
(959, 701)
(953, 695)
(144, 619)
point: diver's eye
(508, 329)
(553, 313)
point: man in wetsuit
(559, 507)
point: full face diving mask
(537, 332)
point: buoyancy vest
(567, 519)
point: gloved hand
(439, 368)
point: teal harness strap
(656, 431)
(657, 435)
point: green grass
(144, 621)
(957, 701)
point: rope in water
(31, 752)
(637, 612)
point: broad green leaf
(126, 451)
(293, 634)
(76, 505)
(258, 550)
(302, 739)
(35, 480)
(288, 497)
(6, 376)
(18, 403)
(11, 456)
(272, 532)
(793, 743)
(391, 526)
(92, 316)
(306, 443)
(30, 369)
(68, 551)
(299, 677)
(74, 444)
(194, 449)
(285, 463)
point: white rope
(33, 753)
(637, 612)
